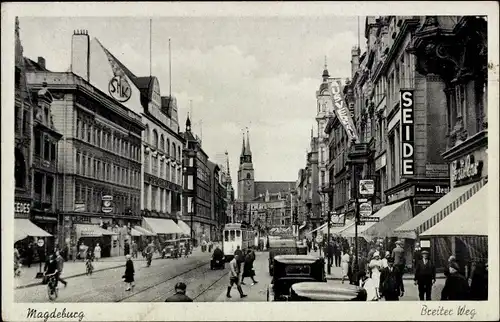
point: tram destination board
(369, 219)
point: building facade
(197, 203)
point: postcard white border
(243, 311)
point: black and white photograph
(250, 157)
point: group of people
(237, 275)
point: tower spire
(247, 148)
(227, 165)
(243, 146)
(188, 123)
(326, 66)
(326, 74)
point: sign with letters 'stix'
(407, 133)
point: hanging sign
(366, 187)
(407, 133)
(40, 242)
(107, 204)
(369, 219)
(341, 109)
(365, 209)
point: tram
(235, 235)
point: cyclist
(51, 268)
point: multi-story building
(197, 201)
(450, 52)
(44, 161)
(312, 197)
(99, 158)
(216, 199)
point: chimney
(41, 62)
(80, 54)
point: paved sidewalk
(73, 269)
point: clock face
(248, 183)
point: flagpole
(150, 47)
(169, 69)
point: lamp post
(329, 268)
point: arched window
(20, 170)
(173, 150)
(162, 143)
(155, 139)
(179, 152)
(248, 176)
(146, 134)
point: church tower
(246, 179)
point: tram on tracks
(235, 235)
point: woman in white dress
(371, 289)
(345, 266)
(97, 252)
(375, 267)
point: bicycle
(52, 289)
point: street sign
(362, 200)
(40, 242)
(369, 219)
(361, 223)
(365, 209)
(366, 187)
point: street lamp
(330, 213)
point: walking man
(60, 266)
(425, 276)
(398, 254)
(234, 277)
(391, 282)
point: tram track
(167, 280)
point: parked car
(291, 269)
(314, 291)
(280, 247)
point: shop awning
(470, 219)
(135, 233)
(335, 230)
(185, 227)
(162, 226)
(25, 228)
(320, 227)
(438, 210)
(83, 231)
(303, 226)
(144, 231)
(390, 217)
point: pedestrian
(345, 266)
(97, 252)
(330, 253)
(384, 260)
(456, 287)
(83, 251)
(60, 266)
(29, 255)
(336, 253)
(149, 253)
(371, 252)
(248, 270)
(187, 249)
(451, 259)
(210, 246)
(129, 273)
(391, 285)
(238, 252)
(425, 276)
(126, 248)
(234, 277)
(417, 255)
(370, 287)
(134, 249)
(375, 268)
(479, 282)
(74, 251)
(180, 294)
(398, 254)
(309, 245)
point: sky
(255, 72)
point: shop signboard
(466, 169)
(365, 209)
(407, 133)
(107, 204)
(432, 189)
(22, 208)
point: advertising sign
(407, 133)
(120, 89)
(466, 169)
(369, 219)
(432, 189)
(341, 109)
(107, 204)
(155, 97)
(366, 187)
(365, 209)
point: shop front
(166, 231)
(49, 223)
(468, 193)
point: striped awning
(439, 209)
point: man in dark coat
(456, 287)
(398, 254)
(180, 294)
(330, 253)
(129, 273)
(479, 282)
(425, 276)
(337, 253)
(248, 270)
(391, 282)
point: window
(94, 170)
(84, 165)
(94, 136)
(162, 143)
(89, 133)
(173, 151)
(161, 198)
(167, 150)
(190, 182)
(26, 121)
(226, 235)
(154, 165)
(191, 162)
(38, 183)
(154, 191)
(78, 193)
(77, 163)
(173, 174)
(179, 152)
(46, 149)
(49, 188)
(162, 169)
(146, 196)
(53, 151)
(232, 234)
(146, 134)
(38, 143)
(249, 176)
(146, 163)
(84, 130)
(155, 139)
(392, 150)
(98, 138)
(167, 170)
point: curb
(404, 278)
(72, 276)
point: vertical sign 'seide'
(407, 133)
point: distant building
(267, 203)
